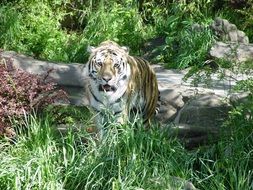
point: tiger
(120, 83)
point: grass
(128, 157)
(40, 32)
(123, 160)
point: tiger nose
(107, 78)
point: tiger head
(108, 67)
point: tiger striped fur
(120, 83)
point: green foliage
(61, 30)
(118, 22)
(46, 30)
(228, 164)
(39, 31)
(184, 45)
(125, 159)
(188, 48)
(34, 27)
(128, 157)
(61, 114)
(30, 26)
(244, 85)
(240, 13)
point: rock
(232, 52)
(204, 111)
(232, 35)
(201, 119)
(63, 74)
(171, 102)
(196, 111)
(228, 32)
(239, 98)
(167, 113)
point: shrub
(37, 32)
(22, 92)
(46, 30)
(188, 48)
(120, 22)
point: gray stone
(244, 40)
(216, 26)
(227, 27)
(233, 36)
(167, 113)
(63, 74)
(239, 98)
(204, 111)
(232, 51)
(197, 111)
(241, 34)
(200, 120)
(172, 96)
(228, 32)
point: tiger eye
(99, 64)
(116, 65)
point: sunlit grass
(128, 157)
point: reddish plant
(22, 92)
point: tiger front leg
(97, 127)
(104, 119)
(122, 117)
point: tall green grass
(124, 159)
(128, 157)
(43, 30)
(37, 28)
(60, 30)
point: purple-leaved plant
(22, 92)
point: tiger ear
(125, 48)
(90, 49)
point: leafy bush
(45, 31)
(36, 32)
(22, 92)
(184, 45)
(188, 48)
(119, 22)
(61, 30)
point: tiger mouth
(106, 88)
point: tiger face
(108, 71)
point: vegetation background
(60, 30)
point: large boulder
(232, 51)
(201, 119)
(204, 111)
(63, 74)
(228, 32)
(232, 45)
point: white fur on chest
(109, 101)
